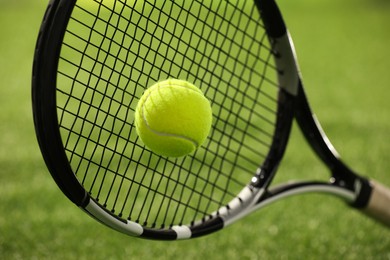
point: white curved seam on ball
(164, 84)
(162, 133)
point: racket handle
(378, 206)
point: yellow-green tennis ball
(173, 118)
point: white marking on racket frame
(183, 232)
(130, 228)
(240, 206)
(286, 63)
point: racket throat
(342, 176)
(360, 186)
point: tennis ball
(173, 118)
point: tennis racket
(95, 58)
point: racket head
(94, 60)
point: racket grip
(378, 206)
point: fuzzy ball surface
(173, 118)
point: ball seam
(195, 143)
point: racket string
(113, 51)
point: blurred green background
(343, 49)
